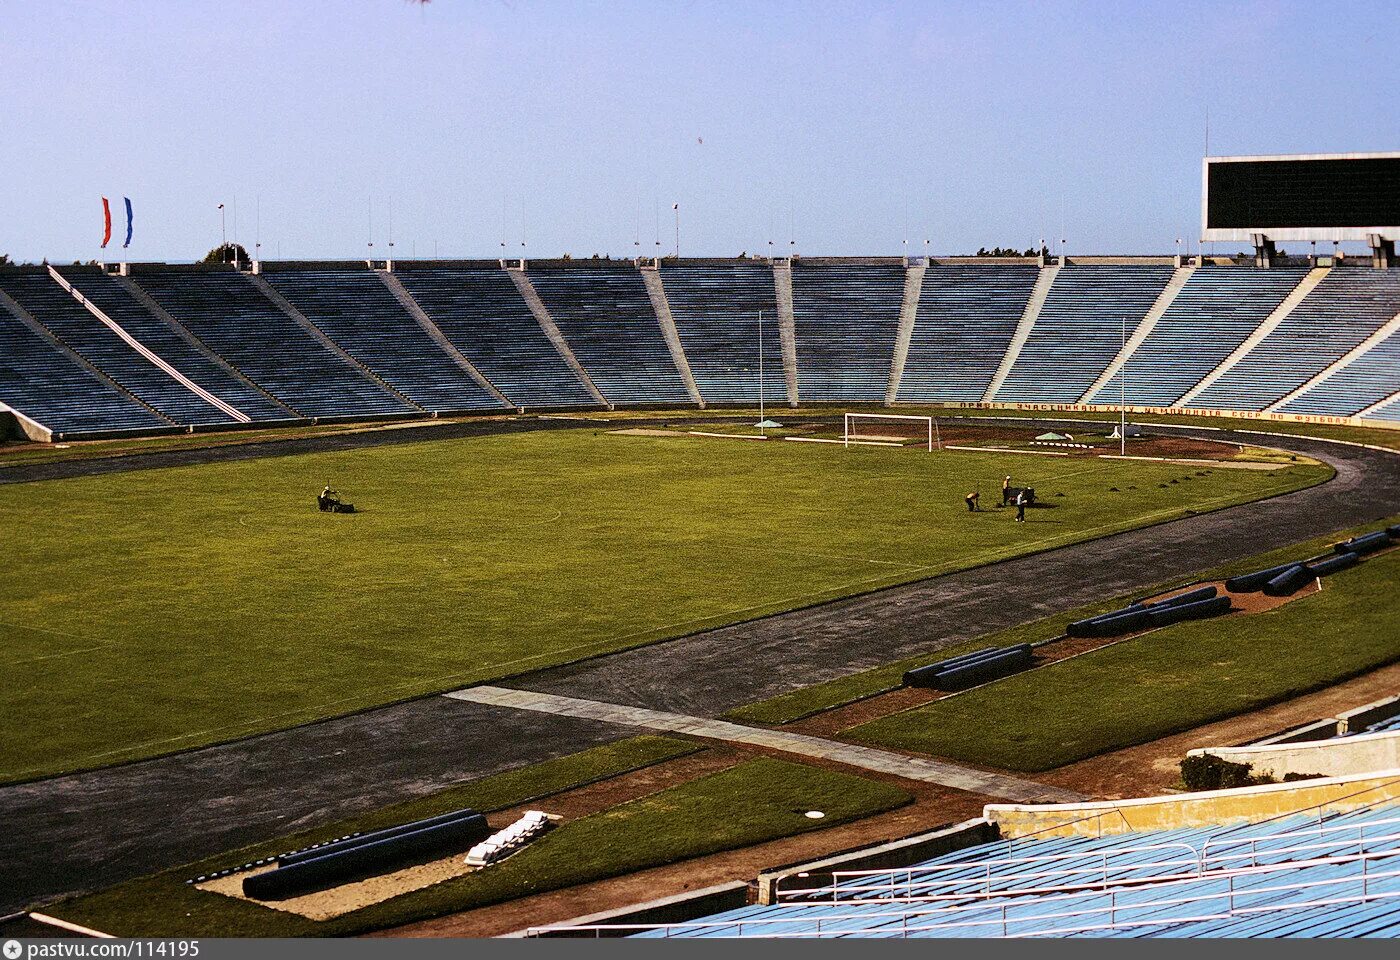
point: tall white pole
(761, 416)
(1123, 393)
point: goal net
(886, 428)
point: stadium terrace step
(360, 316)
(846, 318)
(50, 305)
(782, 281)
(1364, 376)
(1080, 329)
(1115, 370)
(1267, 326)
(551, 329)
(651, 276)
(718, 308)
(908, 312)
(1040, 292)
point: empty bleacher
(230, 316)
(1217, 309)
(171, 344)
(716, 308)
(605, 314)
(1349, 305)
(1386, 411)
(69, 321)
(50, 387)
(1364, 382)
(966, 318)
(846, 317)
(1080, 329)
(1307, 874)
(479, 309)
(354, 308)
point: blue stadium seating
(46, 385)
(606, 316)
(846, 317)
(1080, 330)
(230, 316)
(479, 309)
(69, 321)
(966, 319)
(1364, 382)
(1251, 880)
(1217, 309)
(172, 344)
(1344, 309)
(355, 309)
(716, 307)
(1386, 411)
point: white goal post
(933, 432)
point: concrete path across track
(866, 758)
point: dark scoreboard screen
(1302, 194)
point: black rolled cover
(1250, 582)
(1393, 531)
(364, 838)
(1332, 564)
(1118, 623)
(990, 668)
(1289, 582)
(923, 676)
(1088, 627)
(1190, 596)
(1209, 607)
(366, 860)
(1367, 544)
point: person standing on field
(1021, 500)
(1005, 489)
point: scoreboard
(1304, 197)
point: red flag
(106, 222)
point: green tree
(228, 253)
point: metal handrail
(1365, 877)
(841, 878)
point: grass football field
(157, 610)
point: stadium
(1000, 595)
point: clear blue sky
(972, 123)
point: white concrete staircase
(56, 342)
(1144, 328)
(149, 354)
(436, 335)
(787, 327)
(908, 313)
(1390, 328)
(651, 276)
(1039, 292)
(552, 331)
(1269, 324)
(1376, 406)
(149, 304)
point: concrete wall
(1216, 807)
(1358, 718)
(680, 908)
(1334, 758)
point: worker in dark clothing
(1021, 501)
(1005, 489)
(971, 501)
(328, 499)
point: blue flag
(128, 223)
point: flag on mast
(106, 223)
(128, 223)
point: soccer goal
(908, 429)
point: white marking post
(931, 421)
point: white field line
(726, 436)
(70, 927)
(854, 443)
